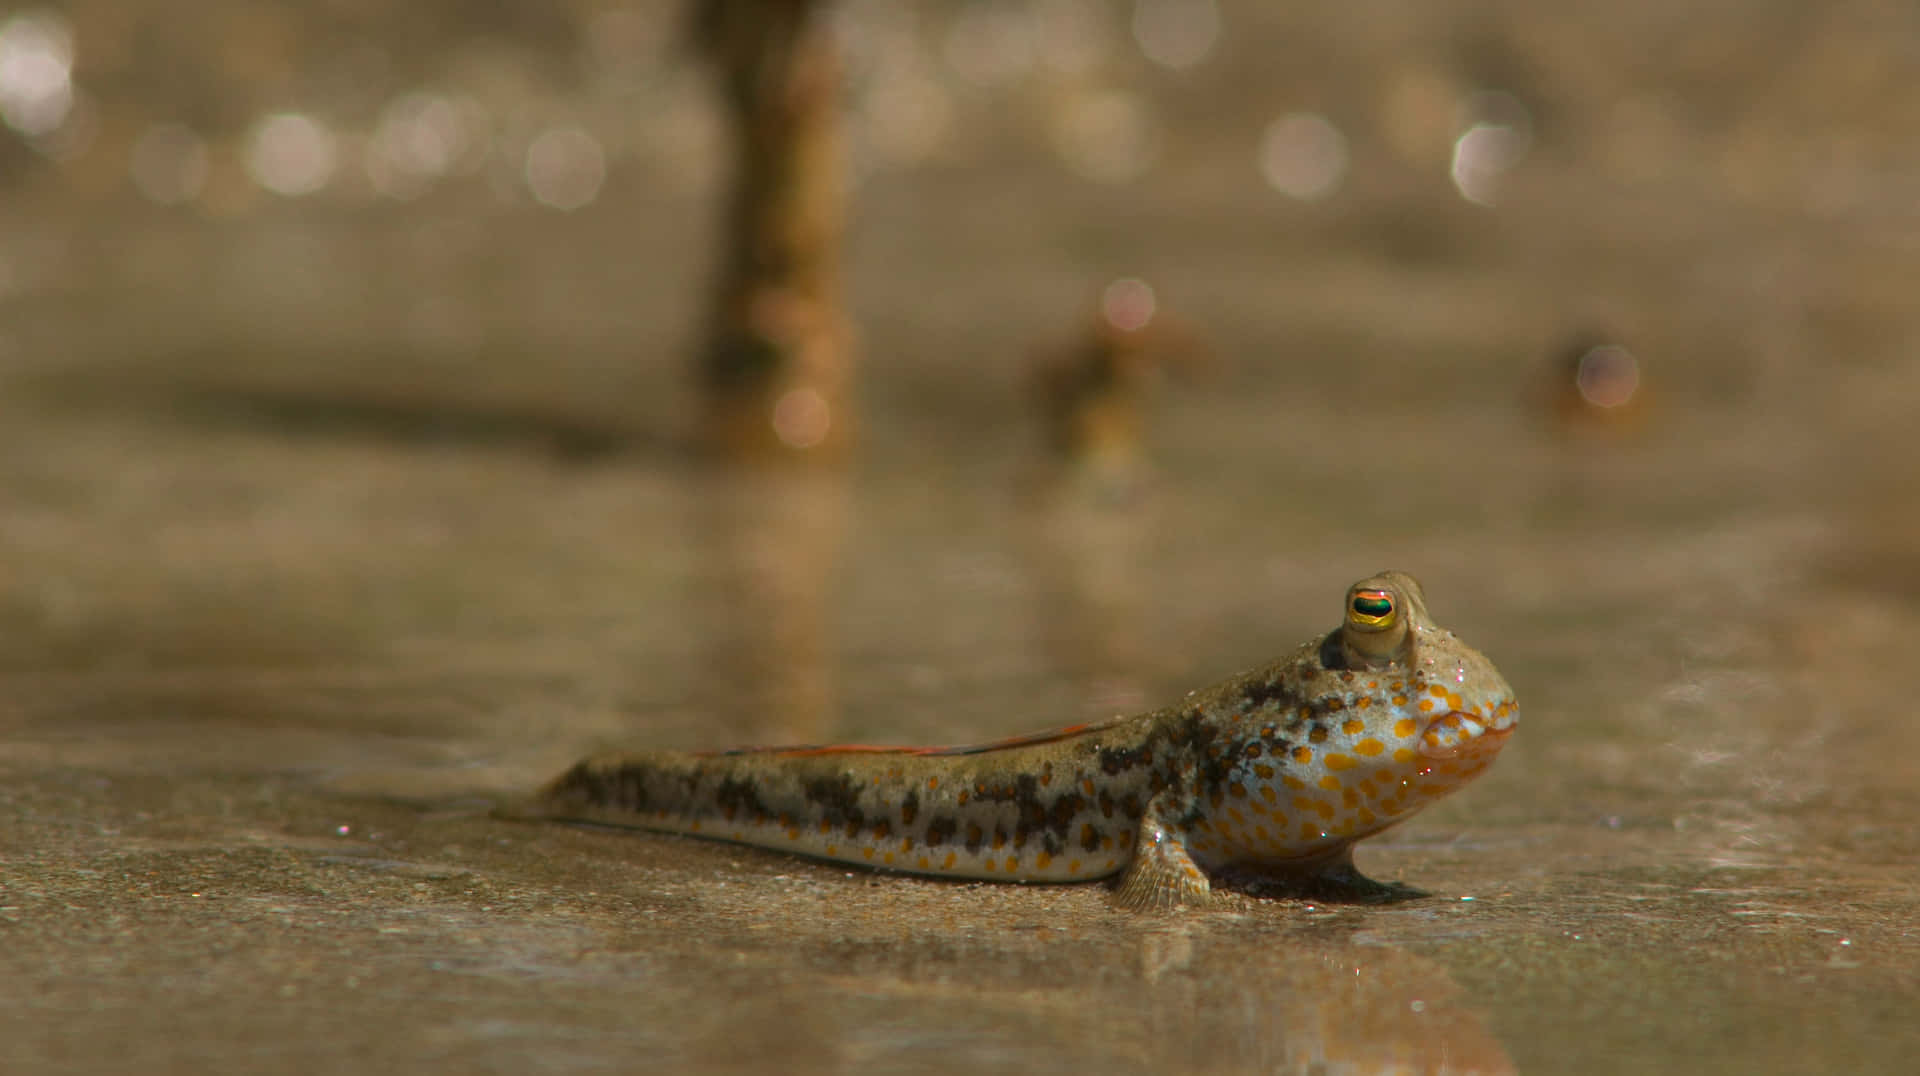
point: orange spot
(1403, 754)
(933, 782)
(1087, 833)
(988, 863)
(924, 865)
(1013, 864)
(1257, 807)
(1317, 736)
(1405, 727)
(887, 859)
(1266, 792)
(1086, 786)
(1438, 691)
(963, 797)
(1354, 726)
(947, 864)
(793, 835)
(868, 852)
(1293, 782)
(1304, 803)
(1303, 754)
(1369, 747)
(1044, 861)
(1366, 701)
(1238, 790)
(1426, 706)
(1237, 816)
(1350, 798)
(1330, 783)
(906, 844)
(1308, 831)
(1112, 863)
(999, 840)
(1338, 762)
(1263, 771)
(1324, 809)
(826, 826)
(1399, 700)
(833, 849)
(1073, 866)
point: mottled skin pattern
(1264, 781)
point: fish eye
(1371, 610)
(1380, 615)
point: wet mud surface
(326, 536)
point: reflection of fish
(1093, 394)
(1267, 779)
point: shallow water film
(350, 489)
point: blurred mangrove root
(778, 358)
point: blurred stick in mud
(777, 364)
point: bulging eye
(1371, 610)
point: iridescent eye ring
(1372, 609)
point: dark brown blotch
(837, 797)
(941, 830)
(739, 794)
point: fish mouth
(1458, 734)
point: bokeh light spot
(292, 154)
(1128, 304)
(422, 137)
(1498, 133)
(1176, 33)
(1304, 156)
(802, 418)
(908, 115)
(1607, 376)
(1109, 137)
(36, 72)
(1075, 35)
(565, 168)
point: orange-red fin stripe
(808, 750)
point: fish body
(1268, 777)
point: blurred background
(398, 401)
